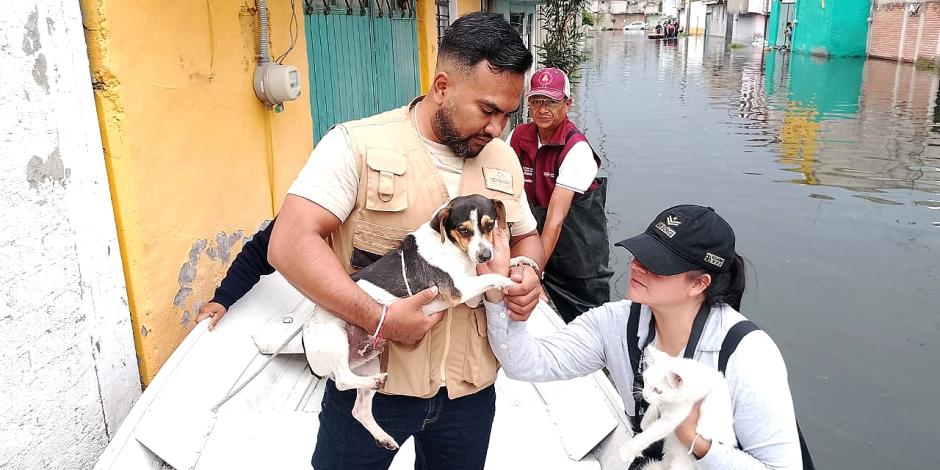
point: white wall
(747, 28)
(670, 8)
(719, 20)
(696, 18)
(758, 6)
(69, 368)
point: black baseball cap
(684, 238)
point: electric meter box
(275, 83)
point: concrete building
(905, 31)
(69, 368)
(749, 20)
(692, 17)
(615, 14)
(717, 23)
(834, 28)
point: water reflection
(830, 173)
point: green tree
(561, 20)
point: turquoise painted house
(833, 28)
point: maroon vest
(540, 165)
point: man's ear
(500, 212)
(439, 85)
(437, 223)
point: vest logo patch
(497, 179)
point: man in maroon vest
(566, 196)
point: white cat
(672, 386)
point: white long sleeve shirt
(764, 421)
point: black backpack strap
(633, 329)
(728, 345)
(633, 348)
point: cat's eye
(657, 391)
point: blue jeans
(448, 434)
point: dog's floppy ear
(437, 223)
(500, 212)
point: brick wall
(905, 31)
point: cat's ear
(674, 380)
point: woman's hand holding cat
(687, 431)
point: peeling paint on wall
(219, 253)
(39, 72)
(31, 42)
(52, 170)
(224, 243)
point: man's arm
(558, 207)
(298, 250)
(522, 298)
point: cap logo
(545, 79)
(673, 220)
(665, 229)
(714, 259)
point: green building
(833, 28)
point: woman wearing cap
(686, 284)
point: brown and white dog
(443, 252)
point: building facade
(69, 366)
(906, 31)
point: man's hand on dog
(405, 322)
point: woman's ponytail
(727, 287)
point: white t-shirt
(578, 169)
(330, 177)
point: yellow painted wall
(467, 6)
(195, 161)
(427, 41)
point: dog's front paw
(629, 453)
(386, 442)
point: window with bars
(443, 17)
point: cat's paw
(629, 453)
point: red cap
(550, 82)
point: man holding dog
(366, 185)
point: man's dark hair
(480, 36)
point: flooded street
(830, 173)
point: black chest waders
(577, 276)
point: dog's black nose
(485, 255)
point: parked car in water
(635, 25)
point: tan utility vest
(399, 190)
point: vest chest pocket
(387, 181)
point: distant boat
(272, 423)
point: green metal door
(363, 58)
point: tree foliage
(561, 20)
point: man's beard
(443, 126)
